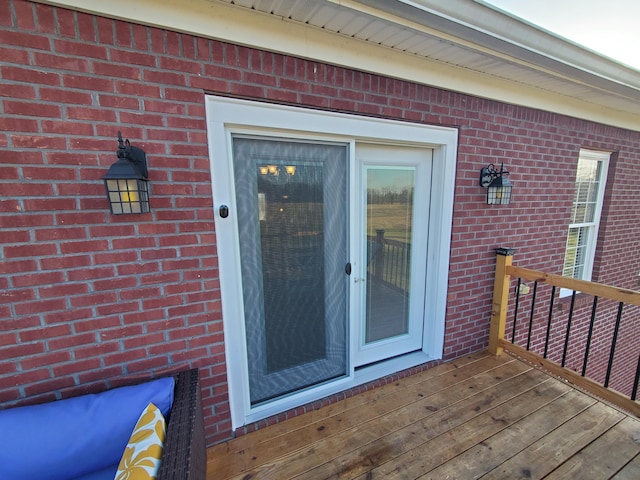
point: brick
(96, 350)
(124, 357)
(37, 278)
(142, 118)
(71, 158)
(23, 378)
(60, 262)
(172, 43)
(115, 257)
(140, 37)
(143, 316)
(6, 14)
(137, 243)
(38, 141)
(17, 295)
(80, 49)
(82, 218)
(165, 325)
(162, 277)
(140, 293)
(100, 374)
(148, 339)
(19, 124)
(14, 236)
(117, 308)
(63, 343)
(166, 301)
(94, 299)
(40, 306)
(165, 78)
(158, 254)
(66, 289)
(83, 246)
(119, 101)
(63, 127)
(180, 65)
(88, 83)
(84, 365)
(48, 205)
(31, 109)
(67, 316)
(19, 74)
(184, 95)
(94, 114)
(117, 71)
(24, 40)
(20, 251)
(39, 361)
(147, 364)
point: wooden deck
(477, 417)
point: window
(591, 178)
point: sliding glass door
(291, 202)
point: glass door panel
(291, 199)
(395, 190)
(388, 229)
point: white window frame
(593, 226)
(227, 116)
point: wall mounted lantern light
(126, 180)
(497, 184)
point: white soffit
(459, 45)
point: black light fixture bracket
(489, 173)
(497, 183)
(135, 155)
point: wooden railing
(548, 341)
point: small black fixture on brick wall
(126, 181)
(497, 184)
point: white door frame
(226, 116)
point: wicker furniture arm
(184, 455)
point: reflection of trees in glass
(388, 195)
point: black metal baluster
(515, 312)
(566, 338)
(533, 303)
(588, 347)
(613, 345)
(634, 392)
(546, 342)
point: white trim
(226, 116)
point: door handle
(347, 268)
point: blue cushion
(68, 438)
(108, 473)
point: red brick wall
(90, 299)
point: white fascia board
(254, 29)
(485, 25)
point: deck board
(478, 417)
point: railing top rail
(597, 289)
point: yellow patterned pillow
(141, 458)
